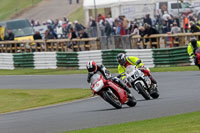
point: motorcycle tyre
(108, 98)
(142, 91)
(131, 101)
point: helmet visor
(122, 62)
(91, 70)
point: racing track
(179, 94)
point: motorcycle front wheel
(131, 101)
(142, 91)
(112, 99)
(155, 93)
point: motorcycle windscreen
(96, 82)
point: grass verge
(184, 123)
(67, 71)
(10, 7)
(77, 15)
(17, 99)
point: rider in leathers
(105, 73)
(124, 61)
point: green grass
(77, 15)
(20, 99)
(185, 123)
(10, 7)
(67, 71)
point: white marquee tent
(124, 7)
(117, 6)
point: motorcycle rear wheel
(142, 91)
(112, 99)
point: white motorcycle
(140, 82)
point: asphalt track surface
(179, 93)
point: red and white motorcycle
(111, 92)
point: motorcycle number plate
(98, 86)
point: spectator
(78, 27)
(176, 19)
(125, 24)
(147, 20)
(100, 16)
(108, 28)
(93, 27)
(37, 36)
(193, 27)
(185, 23)
(175, 29)
(59, 31)
(72, 35)
(102, 27)
(164, 27)
(150, 31)
(169, 23)
(48, 35)
(84, 34)
(136, 32)
(110, 20)
(166, 16)
(10, 36)
(68, 27)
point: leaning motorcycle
(111, 92)
(140, 82)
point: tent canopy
(89, 4)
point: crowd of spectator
(108, 26)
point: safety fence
(102, 43)
(109, 57)
(164, 40)
(6, 61)
(78, 60)
(56, 45)
(86, 56)
(171, 57)
(146, 55)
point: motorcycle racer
(93, 68)
(125, 61)
(192, 47)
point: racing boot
(153, 80)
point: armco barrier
(109, 57)
(45, 60)
(144, 54)
(86, 56)
(6, 61)
(24, 60)
(67, 60)
(171, 57)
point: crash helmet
(194, 42)
(91, 67)
(121, 59)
